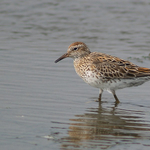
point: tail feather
(143, 70)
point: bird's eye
(75, 48)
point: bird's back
(98, 68)
(114, 67)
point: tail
(143, 72)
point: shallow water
(46, 105)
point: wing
(114, 67)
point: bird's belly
(94, 80)
(108, 84)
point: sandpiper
(104, 71)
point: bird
(103, 71)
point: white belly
(112, 84)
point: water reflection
(105, 127)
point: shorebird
(104, 71)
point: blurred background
(44, 105)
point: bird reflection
(103, 126)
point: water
(46, 105)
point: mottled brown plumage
(104, 71)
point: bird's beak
(62, 57)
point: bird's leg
(100, 95)
(116, 98)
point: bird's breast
(88, 73)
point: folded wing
(114, 67)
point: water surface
(46, 105)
